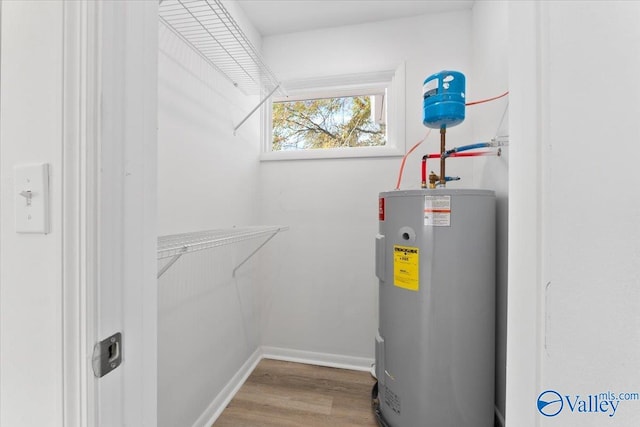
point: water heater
(435, 261)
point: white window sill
(332, 153)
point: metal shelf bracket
(171, 262)
(254, 110)
(254, 252)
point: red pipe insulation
(437, 155)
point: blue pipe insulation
(467, 148)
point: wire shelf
(208, 28)
(179, 244)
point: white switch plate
(32, 198)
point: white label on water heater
(437, 211)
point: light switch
(32, 198)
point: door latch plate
(107, 355)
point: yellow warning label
(405, 267)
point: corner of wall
(489, 77)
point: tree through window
(339, 122)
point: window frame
(345, 85)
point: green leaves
(325, 123)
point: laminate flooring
(286, 394)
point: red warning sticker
(381, 209)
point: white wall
(592, 251)
(524, 269)
(207, 179)
(574, 295)
(207, 176)
(208, 329)
(31, 335)
(320, 290)
(488, 78)
(48, 314)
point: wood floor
(284, 394)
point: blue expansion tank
(443, 99)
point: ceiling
(272, 17)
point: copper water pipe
(443, 148)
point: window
(357, 120)
(348, 116)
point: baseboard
(213, 411)
(320, 359)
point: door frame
(109, 209)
